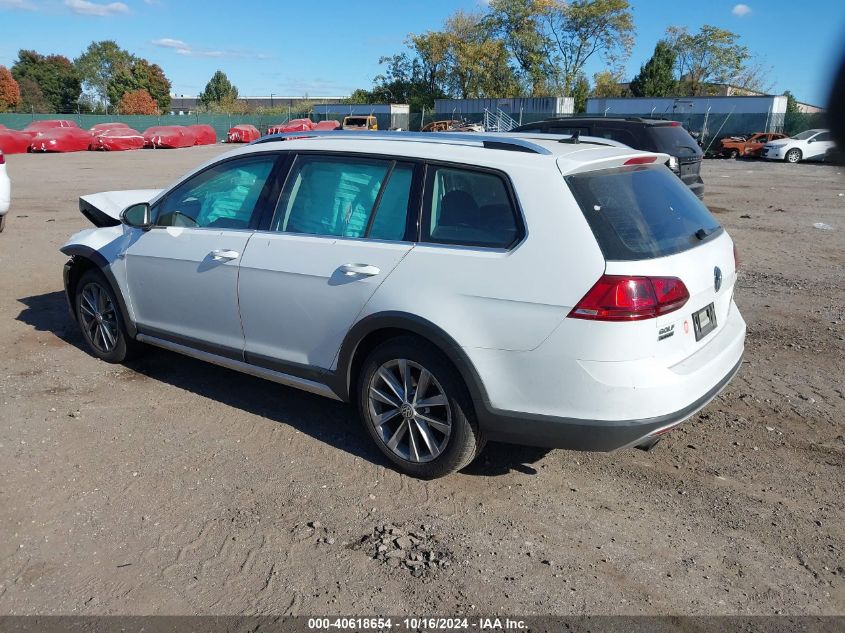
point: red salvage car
(243, 133)
(61, 139)
(117, 139)
(169, 137)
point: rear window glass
(674, 140)
(641, 212)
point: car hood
(103, 209)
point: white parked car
(5, 192)
(456, 287)
(808, 145)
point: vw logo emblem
(717, 278)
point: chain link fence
(710, 127)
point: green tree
(218, 89)
(518, 24)
(580, 93)
(606, 84)
(32, 97)
(477, 64)
(657, 76)
(98, 65)
(55, 76)
(580, 29)
(140, 75)
(791, 103)
(713, 55)
(360, 96)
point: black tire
(105, 335)
(462, 443)
(2, 222)
(793, 156)
(734, 154)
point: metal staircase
(498, 121)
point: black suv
(651, 135)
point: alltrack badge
(717, 278)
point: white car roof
(473, 148)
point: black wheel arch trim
(80, 251)
(342, 379)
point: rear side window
(641, 212)
(470, 208)
(615, 134)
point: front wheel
(416, 408)
(99, 317)
(793, 156)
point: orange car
(736, 146)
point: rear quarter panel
(495, 299)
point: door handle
(360, 269)
(224, 255)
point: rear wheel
(99, 317)
(2, 223)
(793, 156)
(416, 408)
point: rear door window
(641, 212)
(345, 197)
(468, 207)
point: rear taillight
(619, 298)
(736, 258)
(2, 159)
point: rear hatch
(673, 139)
(649, 225)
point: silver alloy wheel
(793, 156)
(99, 318)
(409, 410)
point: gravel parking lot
(171, 486)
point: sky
(330, 48)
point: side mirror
(137, 216)
(811, 140)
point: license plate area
(704, 321)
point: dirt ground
(174, 487)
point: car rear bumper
(590, 435)
(544, 398)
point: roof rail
(502, 141)
(565, 138)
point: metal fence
(711, 126)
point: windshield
(674, 140)
(805, 135)
(641, 212)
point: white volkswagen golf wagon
(551, 291)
